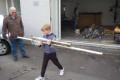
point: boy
(49, 51)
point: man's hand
(49, 42)
(5, 37)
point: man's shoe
(15, 59)
(40, 78)
(62, 72)
(25, 56)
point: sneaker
(62, 72)
(40, 78)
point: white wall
(92, 6)
(34, 16)
(3, 7)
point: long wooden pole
(80, 49)
(53, 41)
(63, 45)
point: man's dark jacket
(12, 26)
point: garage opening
(78, 17)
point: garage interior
(105, 13)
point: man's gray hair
(12, 8)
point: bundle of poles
(60, 44)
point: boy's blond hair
(46, 27)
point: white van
(4, 45)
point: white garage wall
(92, 6)
(34, 14)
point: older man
(13, 26)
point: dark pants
(53, 58)
(74, 23)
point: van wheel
(4, 47)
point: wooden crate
(87, 19)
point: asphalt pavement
(78, 65)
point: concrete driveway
(78, 66)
